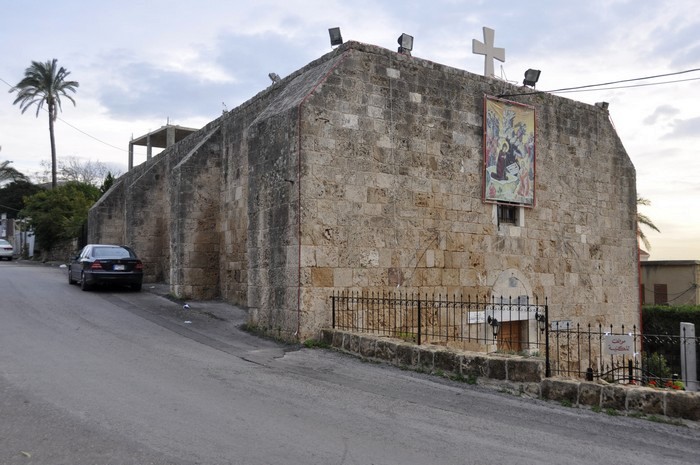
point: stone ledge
(517, 375)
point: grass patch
(316, 344)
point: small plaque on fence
(618, 344)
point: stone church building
(365, 171)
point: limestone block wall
(137, 209)
(274, 171)
(363, 171)
(391, 194)
(195, 205)
(147, 224)
(106, 219)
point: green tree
(8, 173)
(108, 182)
(643, 220)
(12, 196)
(57, 215)
(45, 83)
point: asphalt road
(117, 377)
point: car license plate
(118, 267)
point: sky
(142, 65)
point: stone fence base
(518, 375)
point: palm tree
(643, 220)
(8, 173)
(45, 83)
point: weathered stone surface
(560, 390)
(426, 359)
(407, 355)
(387, 350)
(614, 396)
(589, 394)
(368, 347)
(327, 337)
(683, 405)
(351, 343)
(525, 370)
(647, 401)
(446, 361)
(474, 366)
(496, 368)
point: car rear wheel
(136, 287)
(83, 285)
(70, 277)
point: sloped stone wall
(195, 207)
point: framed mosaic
(509, 152)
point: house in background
(670, 282)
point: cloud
(684, 128)
(664, 111)
(146, 91)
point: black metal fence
(628, 356)
(489, 325)
(515, 326)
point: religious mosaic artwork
(509, 152)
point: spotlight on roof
(531, 77)
(274, 77)
(603, 105)
(405, 44)
(336, 38)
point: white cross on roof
(488, 50)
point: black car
(106, 264)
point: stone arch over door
(511, 284)
(515, 331)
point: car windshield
(4, 242)
(111, 252)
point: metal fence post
(419, 322)
(333, 311)
(547, 366)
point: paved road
(116, 377)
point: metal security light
(541, 321)
(531, 77)
(274, 77)
(336, 38)
(603, 105)
(495, 326)
(405, 44)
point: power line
(625, 80)
(68, 124)
(627, 87)
(90, 136)
(586, 88)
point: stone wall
(363, 171)
(392, 194)
(519, 376)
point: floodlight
(274, 77)
(336, 38)
(531, 77)
(603, 105)
(405, 44)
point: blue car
(104, 264)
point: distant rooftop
(160, 138)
